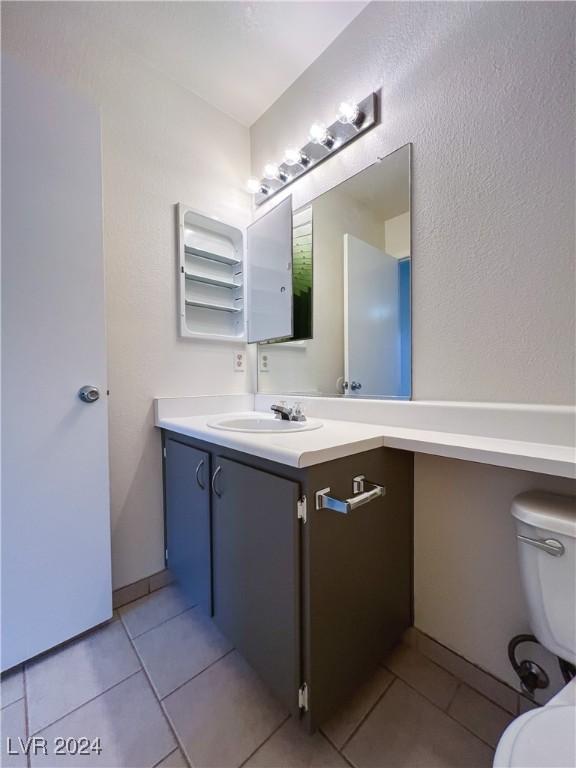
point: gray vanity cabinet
(256, 571)
(312, 598)
(188, 537)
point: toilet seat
(543, 738)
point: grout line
(165, 756)
(164, 713)
(368, 713)
(422, 696)
(212, 663)
(491, 678)
(164, 621)
(26, 717)
(452, 698)
(265, 740)
(5, 706)
(88, 701)
(347, 759)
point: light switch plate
(239, 361)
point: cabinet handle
(214, 476)
(198, 468)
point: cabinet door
(188, 521)
(257, 572)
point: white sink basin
(262, 423)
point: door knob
(89, 394)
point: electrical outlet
(239, 362)
(263, 362)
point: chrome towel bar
(345, 506)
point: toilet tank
(546, 534)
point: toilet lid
(544, 738)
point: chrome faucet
(285, 413)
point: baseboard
(141, 588)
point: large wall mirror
(353, 242)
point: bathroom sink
(262, 423)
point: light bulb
(254, 186)
(271, 171)
(293, 156)
(349, 113)
(319, 135)
(274, 173)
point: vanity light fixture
(319, 134)
(293, 156)
(353, 119)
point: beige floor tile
(72, 675)
(223, 715)
(174, 760)
(149, 611)
(11, 687)
(13, 727)
(476, 678)
(129, 721)
(480, 715)
(422, 674)
(410, 637)
(340, 727)
(406, 731)
(292, 747)
(179, 649)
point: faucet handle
(297, 414)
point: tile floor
(161, 686)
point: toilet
(546, 534)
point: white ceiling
(239, 56)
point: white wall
(161, 145)
(485, 91)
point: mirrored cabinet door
(269, 271)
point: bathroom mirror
(357, 236)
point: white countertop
(336, 439)
(333, 440)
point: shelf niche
(211, 273)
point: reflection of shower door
(371, 320)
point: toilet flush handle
(551, 546)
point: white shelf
(210, 263)
(209, 305)
(211, 280)
(220, 257)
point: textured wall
(160, 145)
(485, 91)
